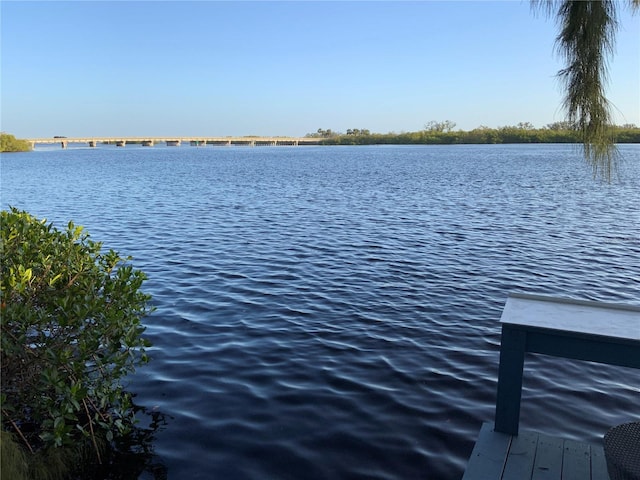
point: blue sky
(286, 68)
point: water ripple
(332, 313)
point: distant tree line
(9, 143)
(443, 133)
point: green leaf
(68, 305)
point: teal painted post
(512, 348)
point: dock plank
(488, 456)
(533, 456)
(598, 463)
(548, 462)
(521, 456)
(576, 464)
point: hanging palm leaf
(586, 40)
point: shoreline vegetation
(9, 143)
(434, 133)
(443, 133)
(71, 332)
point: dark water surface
(332, 312)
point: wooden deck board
(598, 464)
(533, 456)
(521, 456)
(575, 462)
(548, 462)
(488, 455)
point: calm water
(332, 312)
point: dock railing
(591, 331)
(581, 330)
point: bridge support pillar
(173, 143)
(147, 143)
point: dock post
(512, 348)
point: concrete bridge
(177, 141)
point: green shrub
(9, 143)
(70, 333)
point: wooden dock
(533, 456)
(590, 331)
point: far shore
(433, 134)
